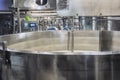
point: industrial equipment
(36, 4)
(57, 55)
(62, 40)
(28, 26)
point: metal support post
(109, 24)
(83, 23)
(19, 21)
(93, 23)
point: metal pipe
(109, 24)
(19, 22)
(14, 3)
(41, 2)
(77, 26)
(14, 24)
(83, 23)
(93, 23)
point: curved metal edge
(2, 38)
(66, 52)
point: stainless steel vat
(60, 55)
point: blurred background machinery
(35, 15)
(84, 25)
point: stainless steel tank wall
(63, 41)
(53, 41)
(101, 63)
(116, 41)
(86, 41)
(78, 66)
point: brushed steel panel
(90, 8)
(31, 4)
(62, 67)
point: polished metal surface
(53, 41)
(31, 4)
(116, 41)
(49, 56)
(62, 67)
(63, 41)
(74, 7)
(89, 7)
